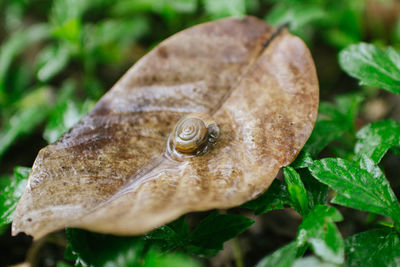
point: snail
(194, 134)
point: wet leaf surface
(111, 173)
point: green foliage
(56, 62)
(31, 111)
(338, 22)
(372, 66)
(359, 185)
(283, 257)
(52, 60)
(276, 197)
(378, 247)
(65, 113)
(171, 236)
(375, 139)
(206, 239)
(225, 8)
(319, 230)
(296, 190)
(90, 249)
(333, 122)
(297, 15)
(317, 192)
(312, 261)
(11, 189)
(15, 45)
(214, 230)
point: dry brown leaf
(111, 174)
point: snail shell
(194, 134)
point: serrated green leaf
(296, 190)
(283, 257)
(319, 230)
(372, 65)
(170, 236)
(376, 138)
(213, 231)
(379, 247)
(276, 197)
(11, 189)
(361, 186)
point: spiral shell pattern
(190, 134)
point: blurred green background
(57, 58)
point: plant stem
(237, 252)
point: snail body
(194, 134)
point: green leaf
(348, 107)
(333, 121)
(170, 236)
(319, 230)
(312, 261)
(32, 110)
(325, 131)
(65, 113)
(296, 190)
(214, 230)
(11, 189)
(361, 186)
(297, 15)
(379, 247)
(317, 192)
(376, 138)
(283, 257)
(63, 11)
(16, 44)
(161, 7)
(225, 8)
(155, 259)
(111, 40)
(372, 66)
(52, 60)
(302, 161)
(63, 117)
(276, 197)
(206, 239)
(90, 249)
